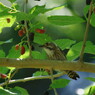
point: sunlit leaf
(91, 90)
(41, 9)
(4, 22)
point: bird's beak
(41, 46)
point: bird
(55, 53)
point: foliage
(65, 20)
(59, 83)
(14, 91)
(32, 33)
(40, 73)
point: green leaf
(93, 19)
(90, 78)
(85, 11)
(93, 1)
(74, 51)
(12, 1)
(35, 25)
(22, 16)
(6, 92)
(13, 53)
(19, 91)
(2, 53)
(15, 6)
(8, 41)
(91, 90)
(90, 48)
(41, 9)
(4, 70)
(39, 55)
(59, 83)
(42, 38)
(3, 8)
(64, 43)
(4, 23)
(40, 73)
(72, 54)
(65, 20)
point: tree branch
(48, 64)
(32, 78)
(86, 33)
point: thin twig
(32, 78)
(27, 32)
(86, 33)
(7, 81)
(52, 79)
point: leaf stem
(86, 33)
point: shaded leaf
(8, 41)
(59, 83)
(4, 70)
(19, 91)
(90, 78)
(6, 92)
(22, 16)
(65, 20)
(38, 55)
(85, 11)
(93, 20)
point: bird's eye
(47, 44)
(50, 48)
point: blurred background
(73, 32)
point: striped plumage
(55, 53)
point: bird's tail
(72, 74)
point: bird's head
(49, 47)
